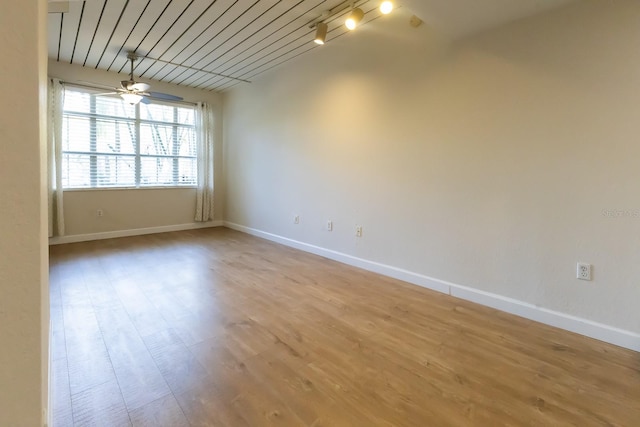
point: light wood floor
(218, 328)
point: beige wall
(24, 319)
(134, 209)
(495, 164)
(127, 209)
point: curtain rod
(103, 88)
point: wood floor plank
(295, 382)
(58, 342)
(179, 367)
(204, 407)
(60, 394)
(101, 405)
(88, 362)
(139, 378)
(218, 328)
(164, 412)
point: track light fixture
(354, 18)
(356, 14)
(386, 7)
(321, 33)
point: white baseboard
(599, 331)
(75, 238)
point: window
(109, 143)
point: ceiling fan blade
(108, 93)
(141, 87)
(165, 96)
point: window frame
(138, 122)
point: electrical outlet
(583, 271)
(329, 225)
(358, 231)
(296, 219)
(99, 212)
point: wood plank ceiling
(234, 38)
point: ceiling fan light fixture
(321, 33)
(131, 98)
(354, 18)
(386, 7)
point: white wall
(135, 209)
(24, 303)
(488, 164)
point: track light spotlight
(354, 18)
(386, 7)
(321, 33)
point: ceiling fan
(134, 92)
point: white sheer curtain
(54, 152)
(205, 128)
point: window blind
(109, 143)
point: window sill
(173, 187)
